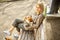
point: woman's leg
(15, 25)
(11, 29)
(9, 32)
(16, 22)
(16, 35)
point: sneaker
(16, 35)
(7, 33)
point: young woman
(28, 34)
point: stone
(52, 27)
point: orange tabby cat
(28, 19)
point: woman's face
(39, 8)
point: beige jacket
(38, 19)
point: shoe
(7, 33)
(16, 35)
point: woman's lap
(16, 23)
(26, 35)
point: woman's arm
(38, 23)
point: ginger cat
(28, 19)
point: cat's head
(28, 18)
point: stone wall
(52, 28)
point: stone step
(53, 16)
(52, 27)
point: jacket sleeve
(37, 24)
(39, 21)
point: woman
(28, 34)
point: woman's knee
(18, 21)
(15, 23)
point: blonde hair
(39, 8)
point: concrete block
(52, 27)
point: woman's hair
(39, 8)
